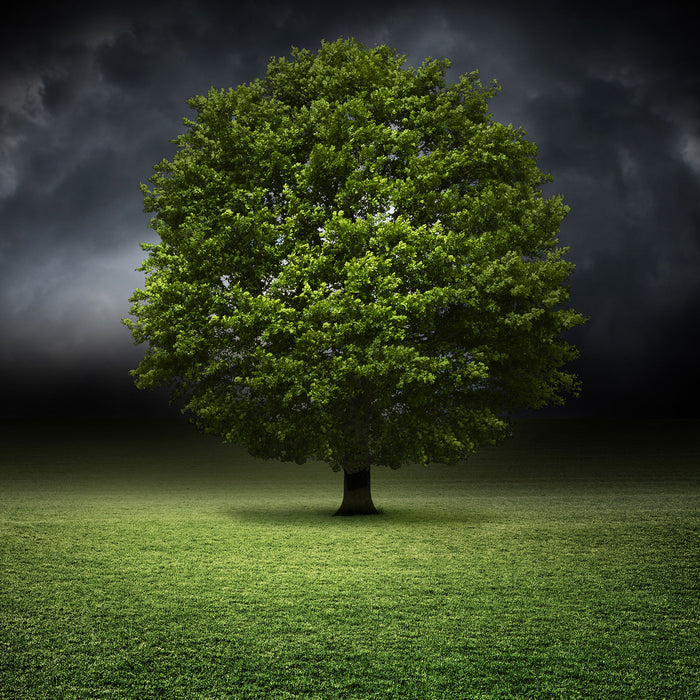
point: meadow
(146, 561)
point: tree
(356, 264)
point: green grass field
(155, 563)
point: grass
(155, 563)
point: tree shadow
(277, 514)
(391, 515)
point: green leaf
(356, 264)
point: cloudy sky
(90, 98)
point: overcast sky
(90, 98)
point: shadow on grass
(273, 514)
(270, 514)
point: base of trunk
(357, 495)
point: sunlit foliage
(356, 264)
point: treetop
(356, 263)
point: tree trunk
(357, 494)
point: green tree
(356, 264)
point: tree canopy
(356, 264)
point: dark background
(90, 97)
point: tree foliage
(356, 264)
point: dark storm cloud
(89, 99)
(620, 149)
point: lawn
(150, 562)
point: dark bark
(357, 494)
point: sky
(90, 98)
